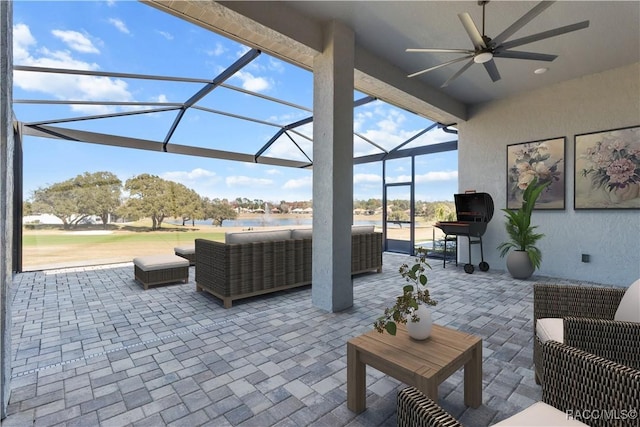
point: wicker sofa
(586, 318)
(578, 387)
(254, 263)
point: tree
(78, 198)
(218, 210)
(149, 195)
(98, 194)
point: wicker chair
(587, 314)
(577, 383)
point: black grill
(473, 213)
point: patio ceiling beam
(77, 102)
(208, 88)
(45, 131)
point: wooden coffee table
(421, 364)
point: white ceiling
(387, 28)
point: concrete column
(6, 197)
(332, 288)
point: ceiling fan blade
(525, 55)
(428, 50)
(472, 30)
(456, 75)
(526, 18)
(491, 68)
(444, 64)
(545, 35)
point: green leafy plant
(414, 293)
(522, 234)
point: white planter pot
(421, 329)
(519, 265)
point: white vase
(421, 329)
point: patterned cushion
(629, 308)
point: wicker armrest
(582, 384)
(611, 339)
(417, 410)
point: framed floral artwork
(538, 159)
(607, 169)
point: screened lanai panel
(436, 135)
(204, 129)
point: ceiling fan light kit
(483, 57)
(486, 49)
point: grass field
(54, 248)
(49, 247)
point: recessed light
(541, 70)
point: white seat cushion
(256, 236)
(185, 250)
(550, 329)
(160, 262)
(539, 414)
(629, 308)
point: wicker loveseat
(254, 263)
(578, 387)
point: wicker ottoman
(160, 269)
(187, 252)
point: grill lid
(474, 207)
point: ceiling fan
(485, 49)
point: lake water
(268, 221)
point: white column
(332, 288)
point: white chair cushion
(629, 308)
(539, 414)
(550, 329)
(185, 250)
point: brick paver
(90, 347)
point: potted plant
(525, 257)
(411, 307)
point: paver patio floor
(91, 347)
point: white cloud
(367, 178)
(218, 50)
(120, 26)
(251, 82)
(273, 172)
(76, 41)
(434, 176)
(63, 86)
(294, 184)
(247, 181)
(165, 34)
(204, 182)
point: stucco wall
(6, 197)
(592, 103)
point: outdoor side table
(421, 364)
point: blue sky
(130, 37)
